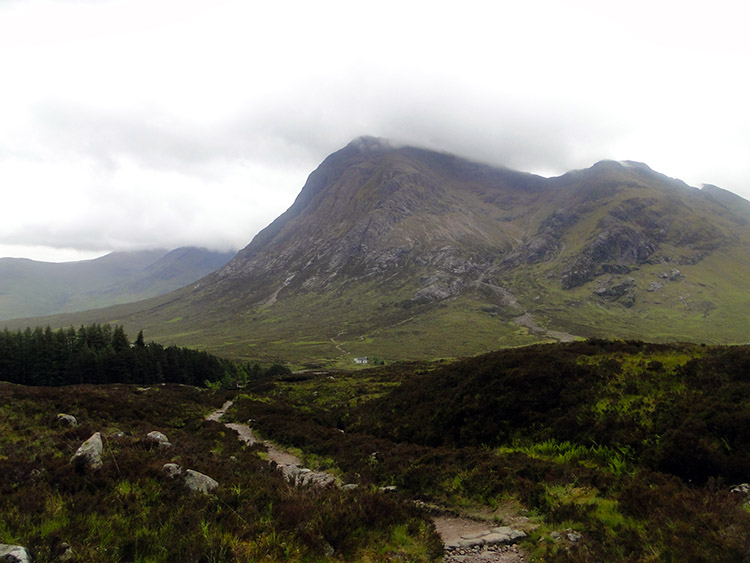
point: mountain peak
(368, 143)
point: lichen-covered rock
(13, 554)
(67, 420)
(89, 454)
(199, 483)
(159, 439)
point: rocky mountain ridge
(402, 252)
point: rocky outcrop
(617, 289)
(13, 554)
(545, 245)
(89, 454)
(614, 250)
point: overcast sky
(159, 123)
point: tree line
(104, 354)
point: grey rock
(349, 486)
(476, 542)
(172, 469)
(614, 289)
(290, 472)
(315, 479)
(654, 286)
(574, 537)
(67, 420)
(474, 536)
(67, 552)
(673, 275)
(89, 454)
(159, 439)
(303, 477)
(495, 538)
(507, 530)
(13, 554)
(199, 483)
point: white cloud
(139, 123)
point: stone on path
(89, 454)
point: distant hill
(400, 252)
(31, 288)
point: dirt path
(466, 540)
(274, 453)
(527, 320)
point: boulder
(159, 439)
(89, 454)
(67, 420)
(172, 469)
(13, 554)
(199, 483)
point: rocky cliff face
(376, 212)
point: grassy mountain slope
(399, 252)
(30, 288)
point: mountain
(31, 288)
(400, 252)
